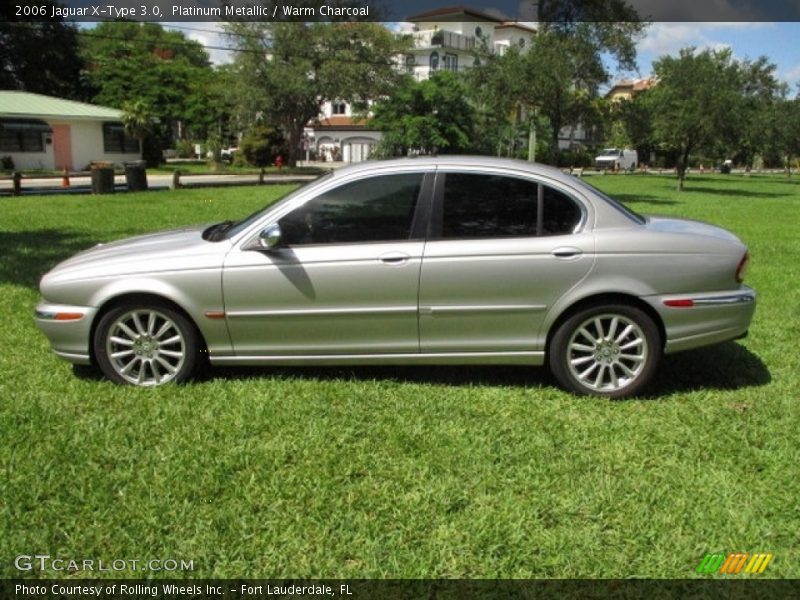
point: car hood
(673, 225)
(164, 251)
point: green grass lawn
(404, 472)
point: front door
(62, 147)
(344, 279)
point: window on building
(338, 107)
(116, 140)
(434, 61)
(411, 62)
(23, 135)
(480, 206)
(451, 62)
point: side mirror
(270, 237)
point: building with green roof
(43, 132)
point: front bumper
(68, 329)
(696, 320)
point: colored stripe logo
(734, 563)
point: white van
(617, 159)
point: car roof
(427, 162)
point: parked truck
(617, 159)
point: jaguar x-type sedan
(448, 260)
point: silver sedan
(450, 260)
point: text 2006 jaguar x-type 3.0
(447, 260)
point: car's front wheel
(606, 350)
(146, 345)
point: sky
(777, 41)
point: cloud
(210, 35)
(669, 38)
(792, 76)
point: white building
(339, 135)
(445, 38)
(43, 132)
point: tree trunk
(532, 137)
(683, 163)
(552, 152)
(293, 141)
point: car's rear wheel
(146, 345)
(606, 350)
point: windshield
(239, 226)
(609, 152)
(634, 216)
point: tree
(287, 70)
(426, 117)
(785, 131)
(497, 111)
(163, 69)
(40, 56)
(761, 97)
(557, 80)
(708, 101)
(137, 117)
(629, 122)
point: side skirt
(449, 358)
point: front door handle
(566, 252)
(394, 258)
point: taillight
(741, 269)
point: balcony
(443, 39)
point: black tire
(590, 354)
(130, 348)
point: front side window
(479, 206)
(377, 209)
(116, 140)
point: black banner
(401, 589)
(529, 11)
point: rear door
(501, 250)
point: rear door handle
(394, 258)
(566, 252)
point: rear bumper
(708, 319)
(68, 329)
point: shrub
(7, 163)
(261, 145)
(184, 149)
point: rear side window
(479, 206)
(561, 214)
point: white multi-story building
(445, 38)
